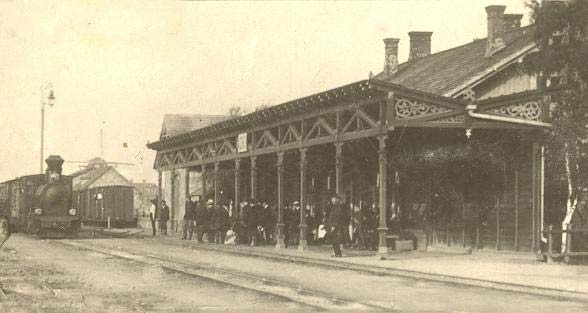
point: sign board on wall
(242, 142)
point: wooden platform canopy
(365, 109)
(362, 109)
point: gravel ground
(407, 295)
(85, 281)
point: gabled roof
(86, 178)
(175, 124)
(443, 72)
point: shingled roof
(176, 124)
(442, 72)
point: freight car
(41, 204)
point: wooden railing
(568, 253)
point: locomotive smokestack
(54, 163)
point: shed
(101, 192)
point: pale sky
(128, 63)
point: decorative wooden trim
(291, 135)
(195, 154)
(265, 139)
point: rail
(568, 253)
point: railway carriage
(41, 204)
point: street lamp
(46, 90)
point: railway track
(311, 299)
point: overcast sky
(128, 63)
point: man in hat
(202, 220)
(210, 208)
(152, 213)
(221, 223)
(188, 227)
(336, 225)
(163, 217)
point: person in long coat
(268, 222)
(188, 227)
(336, 225)
(221, 223)
(202, 221)
(163, 217)
(152, 214)
(251, 221)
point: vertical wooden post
(172, 200)
(568, 231)
(516, 203)
(216, 183)
(383, 164)
(534, 191)
(303, 226)
(280, 244)
(497, 223)
(550, 245)
(253, 177)
(159, 189)
(237, 189)
(339, 168)
(187, 184)
(203, 178)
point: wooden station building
(445, 143)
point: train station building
(446, 146)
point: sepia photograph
(293, 156)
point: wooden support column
(280, 244)
(187, 184)
(237, 189)
(216, 184)
(303, 226)
(516, 203)
(172, 200)
(382, 227)
(159, 191)
(203, 178)
(339, 168)
(253, 177)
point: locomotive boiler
(41, 204)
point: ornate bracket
(406, 109)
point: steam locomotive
(41, 204)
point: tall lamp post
(46, 91)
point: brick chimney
(420, 44)
(495, 22)
(390, 55)
(511, 21)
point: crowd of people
(255, 223)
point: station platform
(518, 272)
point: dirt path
(44, 276)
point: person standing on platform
(336, 225)
(202, 220)
(188, 227)
(211, 207)
(250, 219)
(163, 217)
(268, 222)
(221, 223)
(295, 222)
(152, 214)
